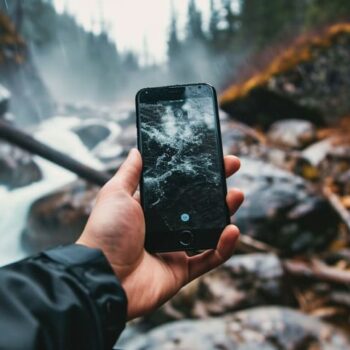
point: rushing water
(14, 204)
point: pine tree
(173, 41)
(214, 21)
(230, 17)
(263, 22)
(194, 24)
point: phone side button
(186, 238)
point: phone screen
(182, 162)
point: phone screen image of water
(182, 175)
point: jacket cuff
(93, 270)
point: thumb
(128, 175)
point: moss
(10, 40)
(301, 51)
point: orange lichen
(300, 51)
(339, 133)
(10, 38)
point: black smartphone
(183, 186)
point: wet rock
(236, 139)
(4, 100)
(30, 101)
(110, 153)
(269, 328)
(343, 183)
(292, 133)
(336, 164)
(282, 209)
(243, 281)
(105, 138)
(17, 168)
(317, 152)
(92, 133)
(306, 80)
(114, 150)
(58, 218)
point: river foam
(15, 204)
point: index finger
(232, 164)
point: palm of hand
(117, 227)
(120, 218)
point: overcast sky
(135, 24)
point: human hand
(117, 227)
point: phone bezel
(203, 238)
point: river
(15, 204)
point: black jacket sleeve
(64, 298)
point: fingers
(232, 164)
(128, 175)
(200, 264)
(234, 199)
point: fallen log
(20, 139)
(247, 244)
(337, 205)
(316, 270)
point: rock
(110, 153)
(243, 281)
(92, 133)
(30, 99)
(343, 183)
(58, 218)
(268, 328)
(114, 150)
(317, 152)
(110, 136)
(307, 79)
(4, 100)
(17, 168)
(281, 209)
(236, 139)
(292, 133)
(336, 163)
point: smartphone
(183, 187)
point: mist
(79, 66)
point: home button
(186, 238)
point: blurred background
(69, 71)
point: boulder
(343, 183)
(336, 162)
(243, 281)
(113, 151)
(318, 151)
(58, 218)
(92, 133)
(292, 133)
(268, 328)
(282, 209)
(17, 168)
(108, 134)
(30, 100)
(236, 139)
(308, 79)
